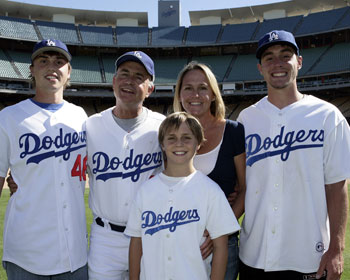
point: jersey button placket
(168, 240)
(126, 142)
(276, 189)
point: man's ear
(259, 68)
(150, 89)
(114, 81)
(300, 62)
(69, 70)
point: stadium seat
(344, 21)
(66, 32)
(287, 23)
(22, 62)
(96, 35)
(238, 33)
(310, 56)
(202, 34)
(320, 22)
(218, 64)
(132, 36)
(85, 70)
(6, 69)
(336, 59)
(17, 28)
(109, 68)
(167, 36)
(167, 70)
(244, 69)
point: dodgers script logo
(282, 144)
(37, 149)
(170, 220)
(132, 166)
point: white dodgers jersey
(45, 224)
(119, 161)
(171, 220)
(291, 154)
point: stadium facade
(224, 39)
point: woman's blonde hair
(217, 107)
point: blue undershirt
(48, 106)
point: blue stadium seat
(132, 36)
(244, 69)
(310, 56)
(238, 33)
(66, 32)
(167, 70)
(344, 21)
(109, 67)
(320, 22)
(6, 69)
(167, 36)
(336, 59)
(203, 34)
(287, 23)
(218, 64)
(22, 62)
(86, 70)
(96, 35)
(17, 28)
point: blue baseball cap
(275, 37)
(137, 56)
(51, 45)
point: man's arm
(338, 205)
(11, 184)
(238, 204)
(2, 181)
(219, 262)
(207, 246)
(135, 254)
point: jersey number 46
(79, 168)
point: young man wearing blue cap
(298, 148)
(43, 143)
(123, 152)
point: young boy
(172, 210)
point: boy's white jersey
(171, 221)
(119, 161)
(291, 154)
(45, 224)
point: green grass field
(5, 197)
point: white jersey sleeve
(133, 227)
(220, 213)
(336, 145)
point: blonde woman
(222, 156)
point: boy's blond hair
(174, 120)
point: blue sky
(150, 6)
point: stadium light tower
(168, 13)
